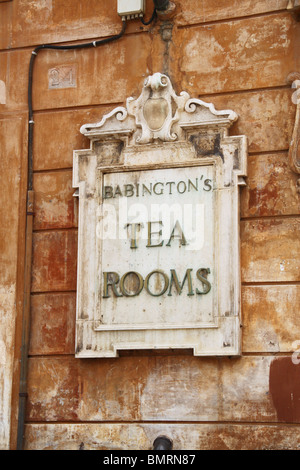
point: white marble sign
(158, 256)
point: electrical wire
(30, 110)
(26, 322)
(154, 15)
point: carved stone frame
(161, 130)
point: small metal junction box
(131, 8)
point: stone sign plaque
(158, 256)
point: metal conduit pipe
(161, 5)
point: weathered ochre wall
(236, 54)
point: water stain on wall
(284, 383)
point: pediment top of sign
(158, 114)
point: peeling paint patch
(2, 92)
(284, 386)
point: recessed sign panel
(157, 232)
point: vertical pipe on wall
(161, 5)
(25, 319)
(29, 229)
